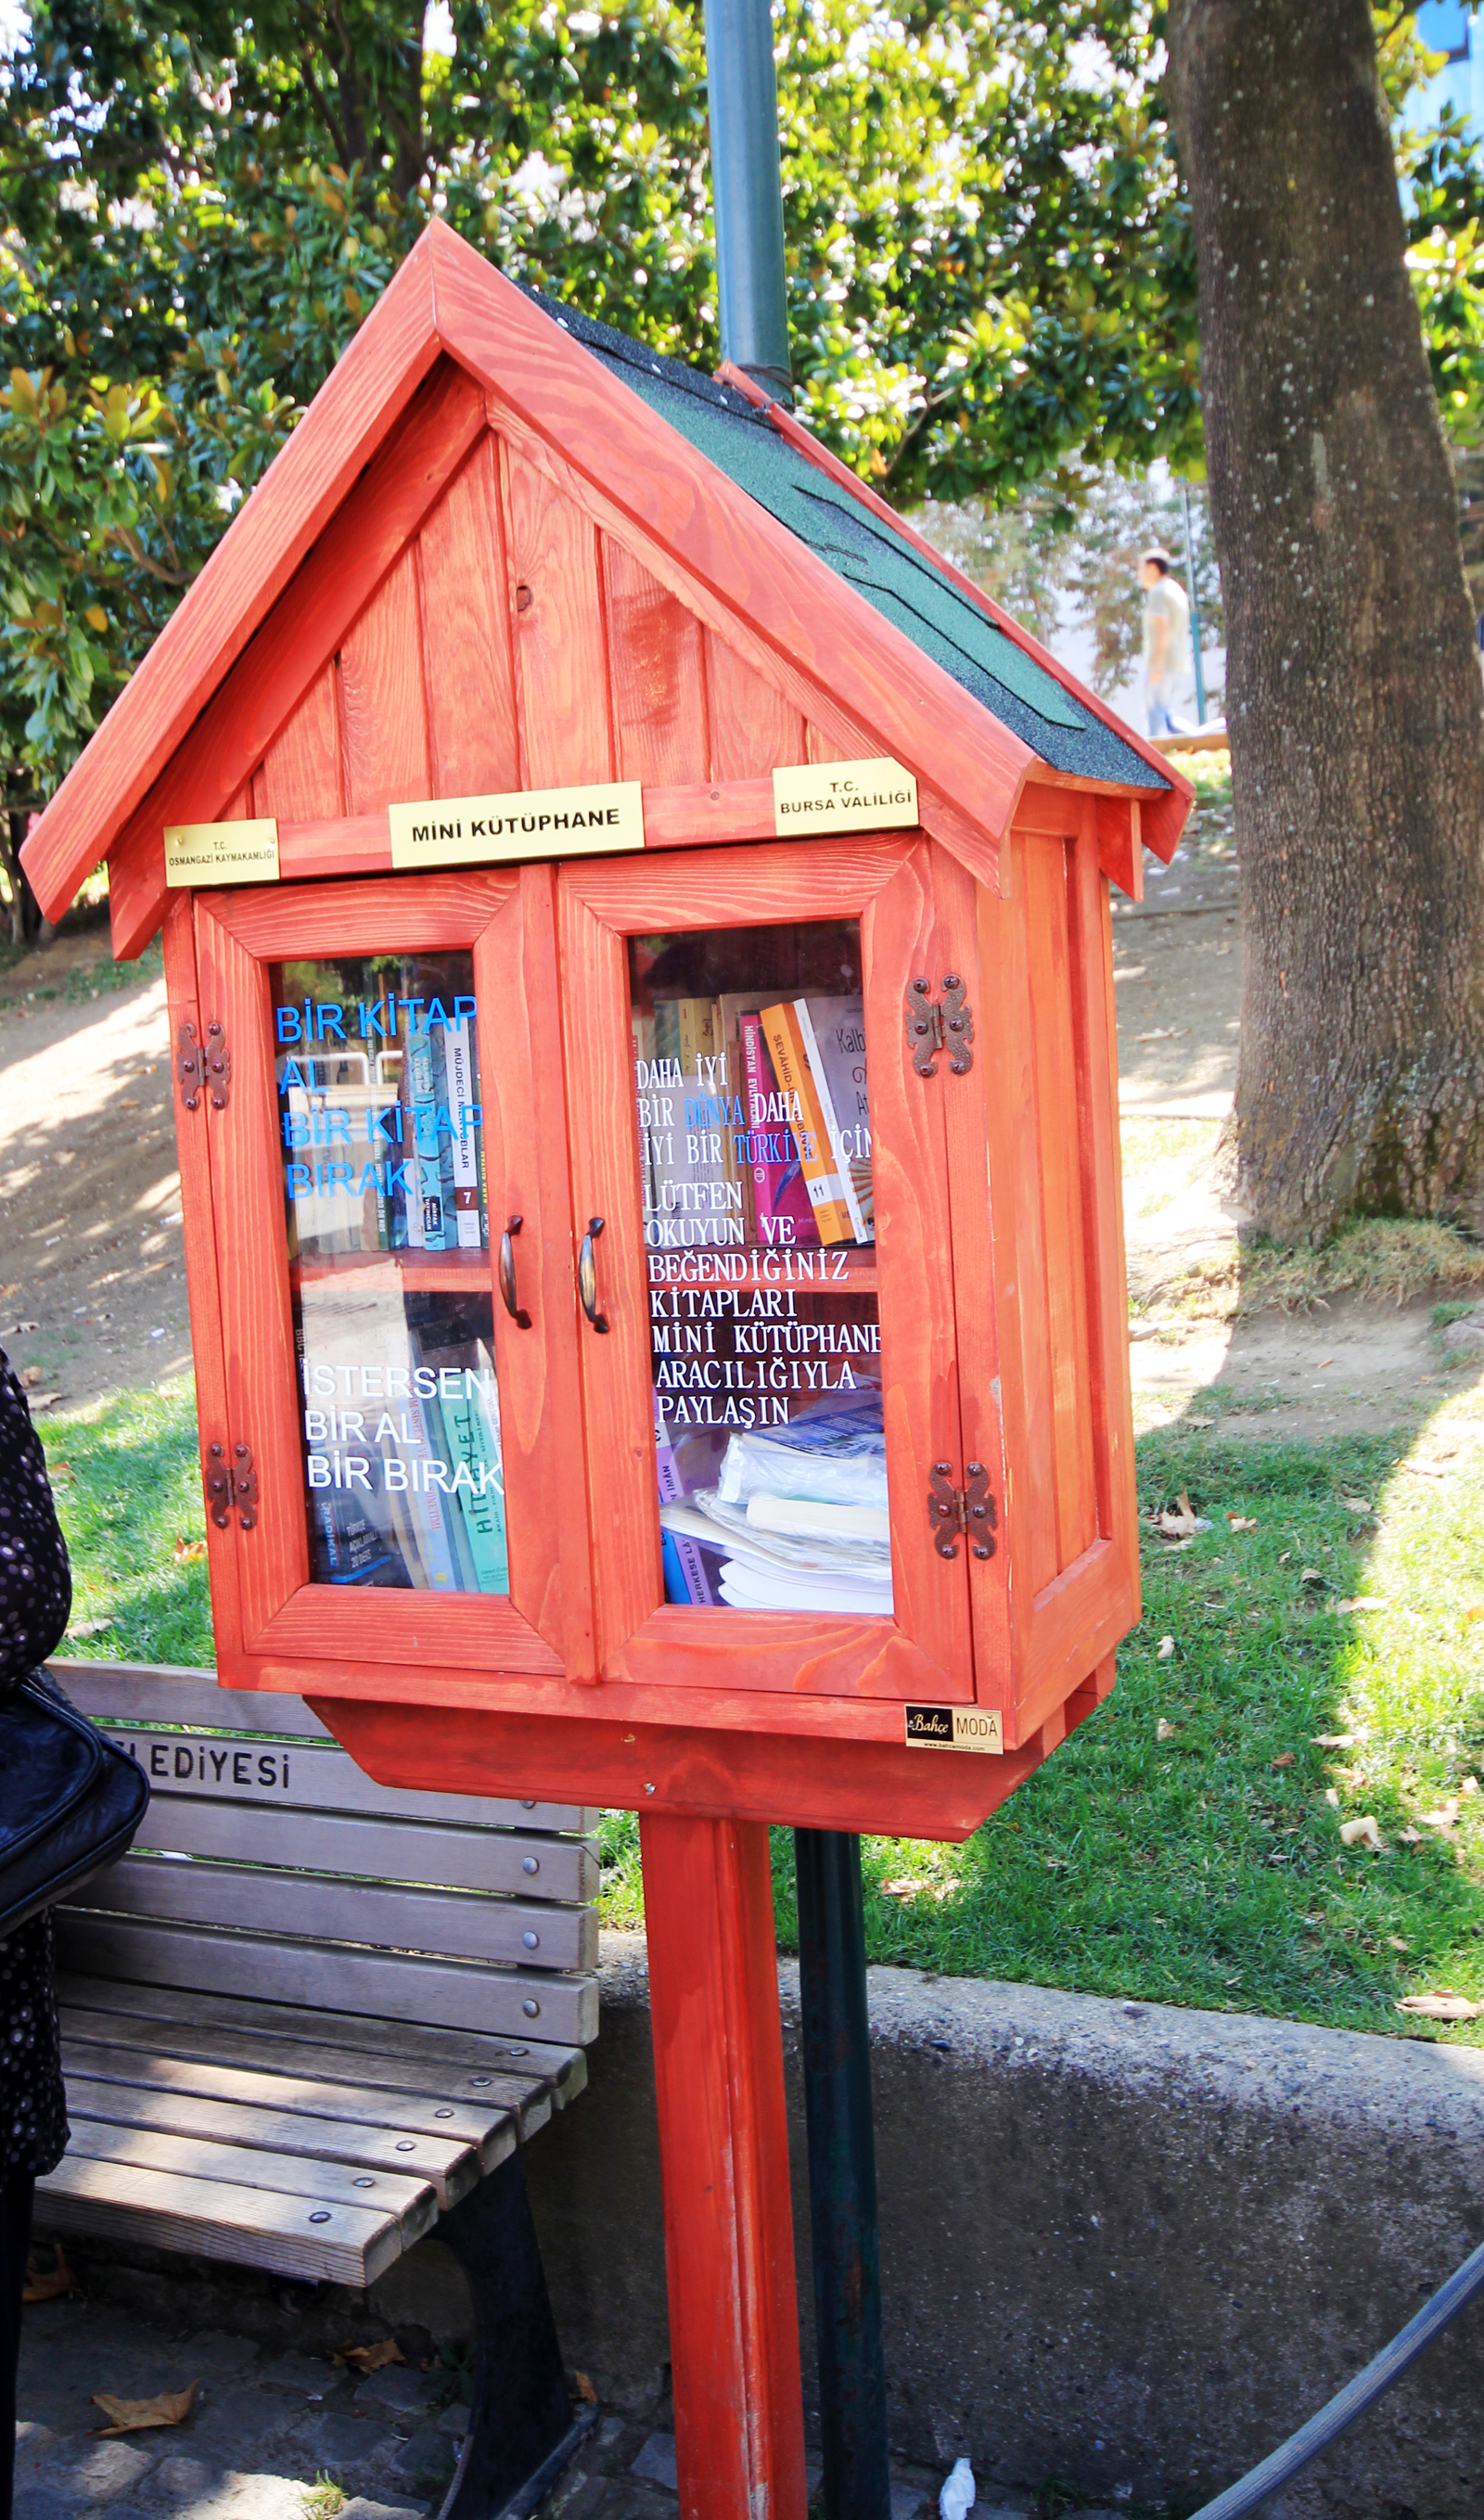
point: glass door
(394, 1253)
(768, 1350)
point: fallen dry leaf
(1323, 1360)
(1410, 1836)
(1397, 1943)
(907, 1888)
(583, 2389)
(1340, 1740)
(43, 1399)
(1166, 1648)
(30, 1375)
(1444, 2006)
(370, 2358)
(48, 2287)
(1427, 1469)
(1360, 1602)
(1357, 1505)
(1445, 1817)
(88, 1627)
(1474, 1613)
(1166, 1032)
(1200, 1421)
(186, 1552)
(1469, 1786)
(1284, 1759)
(1311, 1575)
(1181, 1524)
(1361, 1832)
(1165, 1732)
(144, 2414)
(1242, 1521)
(1283, 1561)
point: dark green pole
(842, 2203)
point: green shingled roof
(919, 600)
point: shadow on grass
(1185, 1845)
(126, 1477)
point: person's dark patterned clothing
(35, 1579)
(36, 1604)
(33, 2127)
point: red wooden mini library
(637, 933)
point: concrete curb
(1124, 2246)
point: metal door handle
(587, 1274)
(512, 1301)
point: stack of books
(383, 1148)
(753, 1122)
(796, 1519)
(400, 1423)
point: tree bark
(1354, 696)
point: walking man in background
(1167, 662)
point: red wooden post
(724, 2161)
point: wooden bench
(309, 2019)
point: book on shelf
(354, 1549)
(782, 1210)
(421, 1071)
(835, 1031)
(356, 1534)
(469, 1444)
(789, 1031)
(685, 1571)
(462, 1135)
(686, 1126)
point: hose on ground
(1362, 2392)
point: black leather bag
(69, 1802)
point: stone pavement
(269, 2428)
(265, 2426)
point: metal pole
(842, 2201)
(1189, 571)
(747, 192)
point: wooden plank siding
(506, 644)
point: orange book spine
(816, 1161)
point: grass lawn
(1185, 1846)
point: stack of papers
(800, 1514)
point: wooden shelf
(417, 1271)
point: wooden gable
(482, 564)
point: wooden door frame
(888, 885)
(505, 918)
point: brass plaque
(543, 823)
(221, 853)
(955, 1728)
(823, 796)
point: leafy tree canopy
(990, 273)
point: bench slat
(527, 2094)
(315, 1773)
(213, 2219)
(412, 2202)
(490, 2131)
(564, 2070)
(452, 2167)
(277, 1834)
(375, 1986)
(452, 1924)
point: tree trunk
(1353, 687)
(23, 908)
